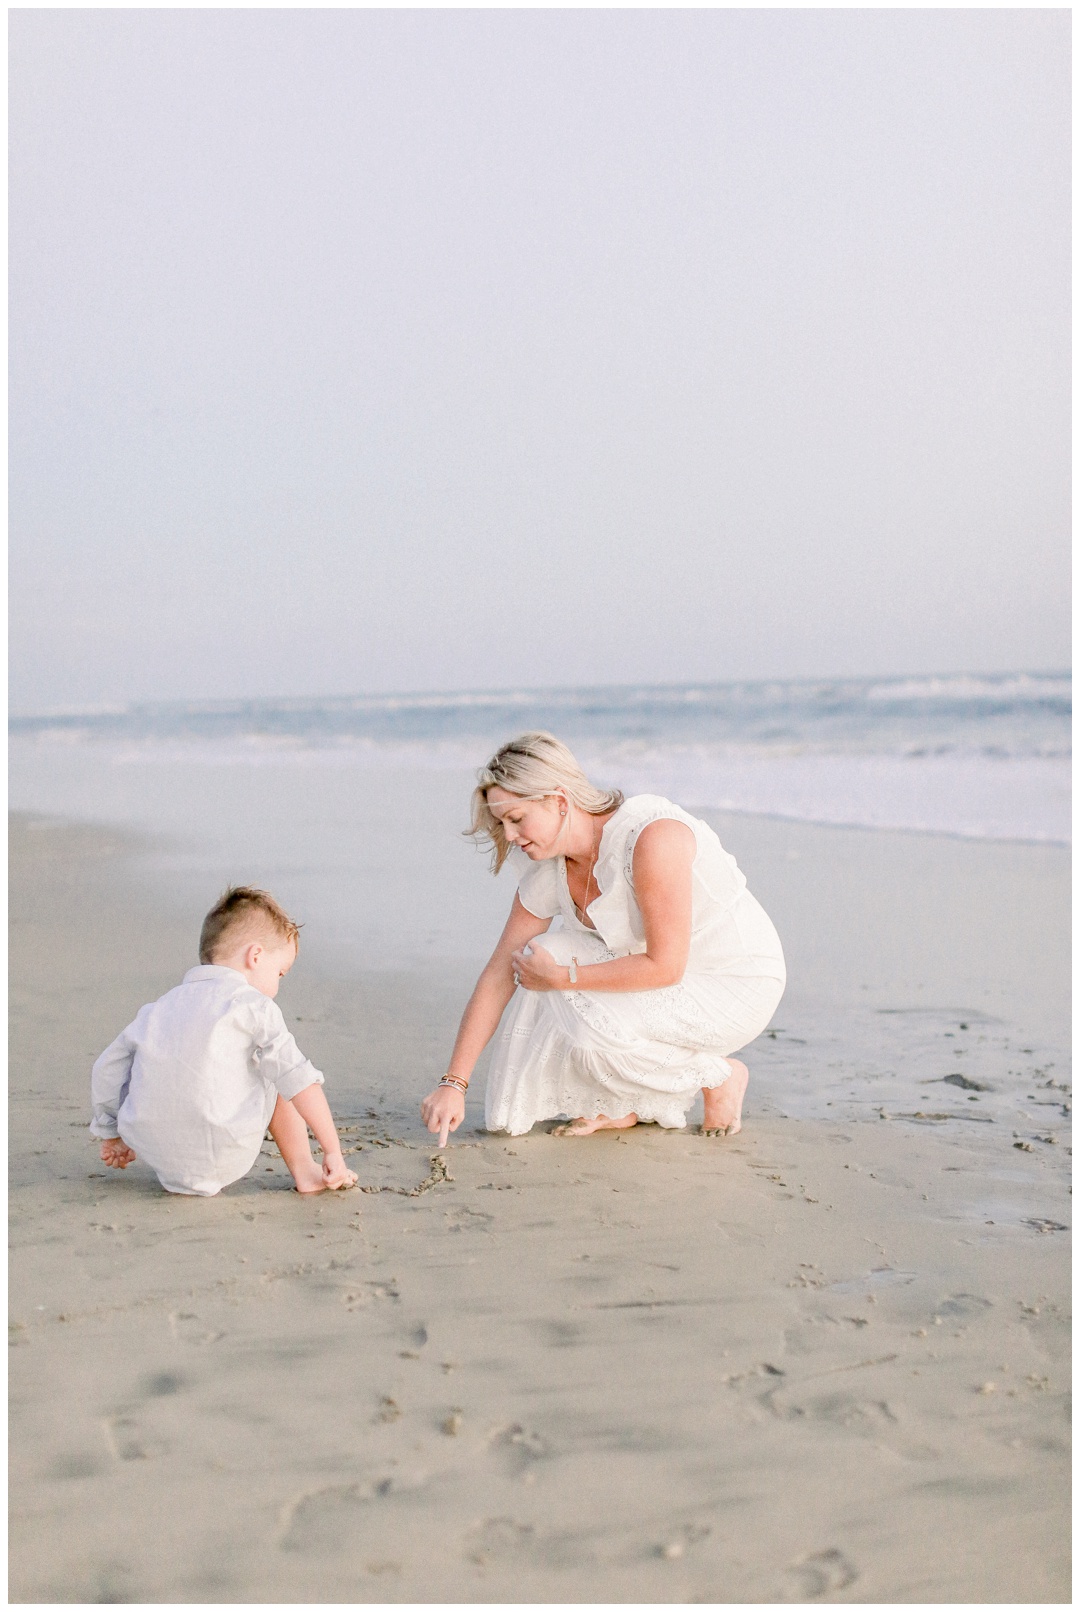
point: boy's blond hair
(532, 766)
(243, 910)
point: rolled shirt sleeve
(109, 1081)
(279, 1059)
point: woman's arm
(493, 990)
(663, 883)
(444, 1108)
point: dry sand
(827, 1360)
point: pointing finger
(445, 1131)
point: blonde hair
(532, 766)
(243, 910)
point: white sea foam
(975, 796)
(971, 794)
(1020, 687)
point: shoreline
(986, 793)
(614, 1369)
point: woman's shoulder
(638, 811)
(715, 869)
(622, 829)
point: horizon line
(517, 693)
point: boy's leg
(291, 1135)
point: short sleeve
(280, 1060)
(538, 888)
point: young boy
(192, 1084)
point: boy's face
(266, 966)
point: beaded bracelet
(458, 1085)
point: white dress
(645, 1052)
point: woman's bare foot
(585, 1127)
(116, 1153)
(723, 1104)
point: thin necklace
(583, 909)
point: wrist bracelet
(573, 970)
(458, 1085)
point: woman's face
(534, 826)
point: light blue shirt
(191, 1084)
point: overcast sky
(364, 350)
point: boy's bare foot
(308, 1182)
(585, 1127)
(723, 1104)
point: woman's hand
(443, 1110)
(537, 970)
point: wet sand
(826, 1360)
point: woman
(664, 964)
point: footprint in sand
(813, 1578)
(871, 1419)
(343, 1518)
(462, 1219)
(503, 1540)
(499, 1538)
(127, 1441)
(676, 1547)
(319, 1520)
(361, 1298)
(189, 1328)
(516, 1448)
(963, 1304)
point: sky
(356, 351)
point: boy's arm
(314, 1110)
(109, 1081)
(298, 1080)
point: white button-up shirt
(191, 1084)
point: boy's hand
(116, 1153)
(335, 1173)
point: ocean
(978, 756)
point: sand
(826, 1360)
